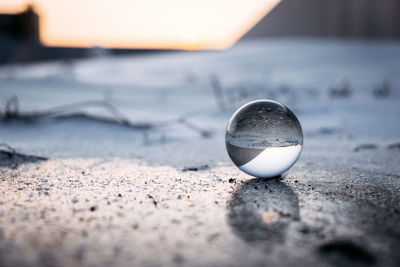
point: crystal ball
(264, 138)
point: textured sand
(112, 196)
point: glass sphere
(264, 138)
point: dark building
(21, 27)
(19, 36)
(331, 18)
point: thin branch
(69, 111)
(11, 152)
(217, 90)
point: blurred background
(89, 88)
(143, 61)
(130, 62)
(45, 29)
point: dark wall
(331, 18)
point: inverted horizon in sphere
(273, 161)
(264, 138)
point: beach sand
(162, 191)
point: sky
(175, 24)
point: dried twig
(6, 149)
(12, 113)
(217, 90)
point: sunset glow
(175, 24)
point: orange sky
(179, 24)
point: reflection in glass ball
(264, 138)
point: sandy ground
(167, 194)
